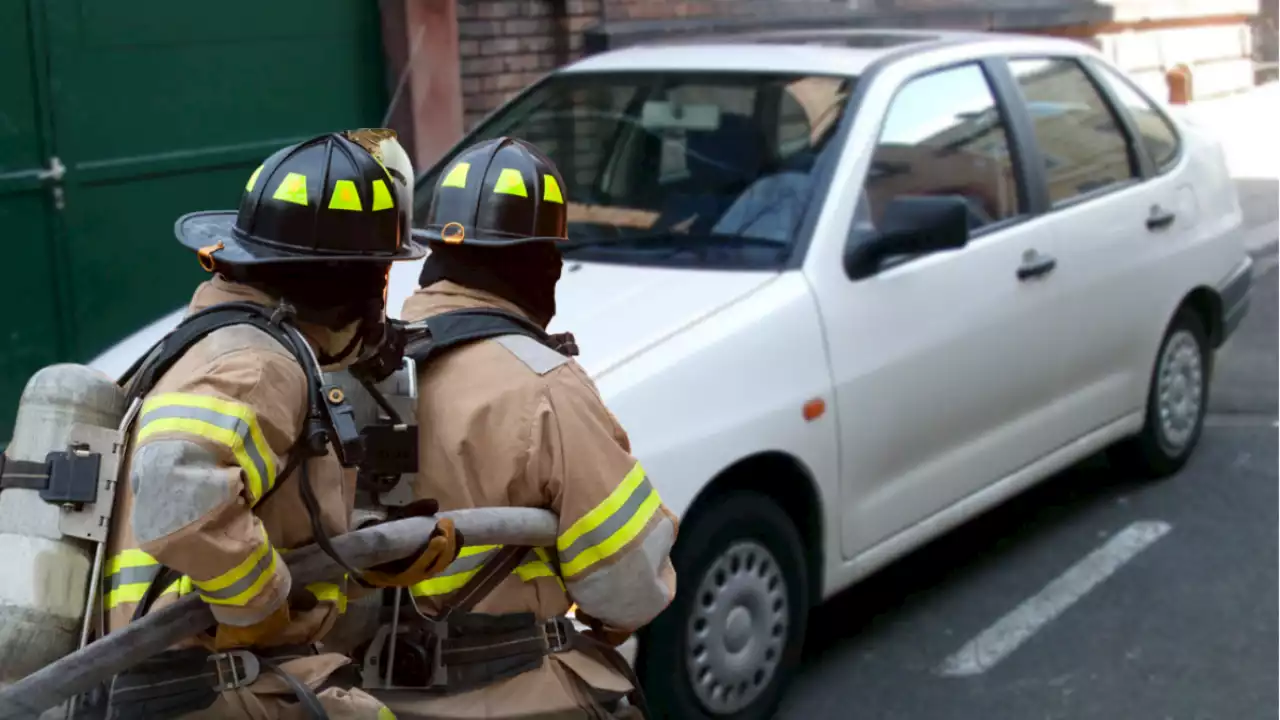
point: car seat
(721, 164)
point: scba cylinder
(46, 575)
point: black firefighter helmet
(497, 193)
(339, 197)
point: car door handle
(1034, 264)
(1159, 218)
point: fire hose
(159, 630)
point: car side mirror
(911, 225)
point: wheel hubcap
(737, 629)
(1180, 388)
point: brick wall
(504, 45)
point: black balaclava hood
(524, 274)
(332, 295)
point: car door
(940, 362)
(1108, 226)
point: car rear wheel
(727, 645)
(1177, 399)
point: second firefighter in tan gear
(208, 494)
(511, 422)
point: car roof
(835, 51)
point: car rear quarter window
(1156, 131)
(1082, 145)
(943, 135)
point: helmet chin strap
(370, 319)
(326, 360)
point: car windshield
(710, 170)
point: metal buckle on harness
(557, 635)
(229, 678)
(438, 632)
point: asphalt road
(1184, 626)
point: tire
(1161, 449)
(745, 555)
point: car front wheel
(728, 643)
(1177, 399)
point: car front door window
(944, 135)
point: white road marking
(993, 644)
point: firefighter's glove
(600, 632)
(228, 637)
(440, 550)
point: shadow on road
(862, 609)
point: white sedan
(846, 290)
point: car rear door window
(1080, 141)
(944, 135)
(1157, 133)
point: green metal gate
(115, 118)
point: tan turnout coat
(510, 422)
(210, 439)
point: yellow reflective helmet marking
(381, 196)
(510, 182)
(292, 189)
(345, 196)
(253, 180)
(551, 190)
(457, 177)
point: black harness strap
(437, 334)
(23, 474)
(490, 575)
(178, 682)
(193, 329)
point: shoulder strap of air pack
(142, 377)
(437, 334)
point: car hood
(614, 311)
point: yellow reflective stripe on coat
(231, 424)
(330, 592)
(242, 583)
(469, 562)
(129, 559)
(610, 526)
(129, 574)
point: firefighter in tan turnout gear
(219, 479)
(512, 420)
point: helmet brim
(434, 235)
(200, 230)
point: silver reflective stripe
(630, 591)
(466, 564)
(611, 525)
(131, 576)
(540, 358)
(243, 583)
